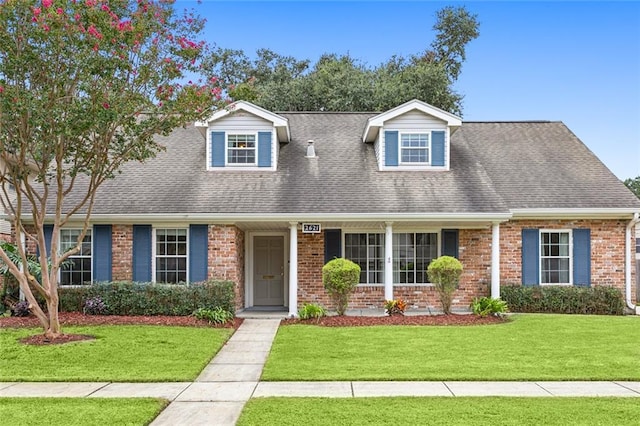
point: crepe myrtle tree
(85, 85)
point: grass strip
(488, 411)
(118, 354)
(531, 347)
(80, 411)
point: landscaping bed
(360, 321)
(78, 318)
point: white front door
(268, 271)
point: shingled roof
(495, 167)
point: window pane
(171, 255)
(555, 258)
(78, 269)
(241, 149)
(366, 250)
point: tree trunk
(53, 330)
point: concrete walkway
(233, 377)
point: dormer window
(414, 148)
(244, 137)
(241, 149)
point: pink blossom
(46, 27)
(47, 3)
(1, 89)
(59, 11)
(105, 8)
(36, 11)
(105, 105)
(94, 32)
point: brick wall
(607, 264)
(310, 262)
(226, 257)
(607, 249)
(122, 252)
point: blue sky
(576, 62)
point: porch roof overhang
(283, 220)
(576, 213)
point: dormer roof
(280, 123)
(375, 123)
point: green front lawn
(440, 411)
(118, 354)
(79, 411)
(531, 347)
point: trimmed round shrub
(340, 277)
(444, 272)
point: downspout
(628, 265)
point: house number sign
(310, 228)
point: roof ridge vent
(311, 150)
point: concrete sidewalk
(233, 377)
(242, 391)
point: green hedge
(597, 300)
(127, 298)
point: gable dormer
(244, 136)
(412, 136)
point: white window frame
(344, 247)
(78, 255)
(227, 148)
(569, 256)
(154, 249)
(427, 148)
(438, 235)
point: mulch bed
(77, 318)
(358, 321)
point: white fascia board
(292, 217)
(278, 121)
(378, 121)
(578, 213)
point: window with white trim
(412, 253)
(78, 269)
(414, 148)
(241, 149)
(367, 250)
(171, 255)
(555, 257)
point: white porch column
(388, 261)
(495, 260)
(293, 269)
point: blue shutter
(582, 257)
(437, 148)
(530, 257)
(264, 149)
(332, 244)
(198, 252)
(217, 149)
(391, 148)
(450, 242)
(141, 253)
(101, 252)
(48, 232)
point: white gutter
(292, 217)
(579, 213)
(627, 263)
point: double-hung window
(171, 255)
(241, 149)
(78, 269)
(555, 257)
(367, 250)
(414, 148)
(412, 253)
